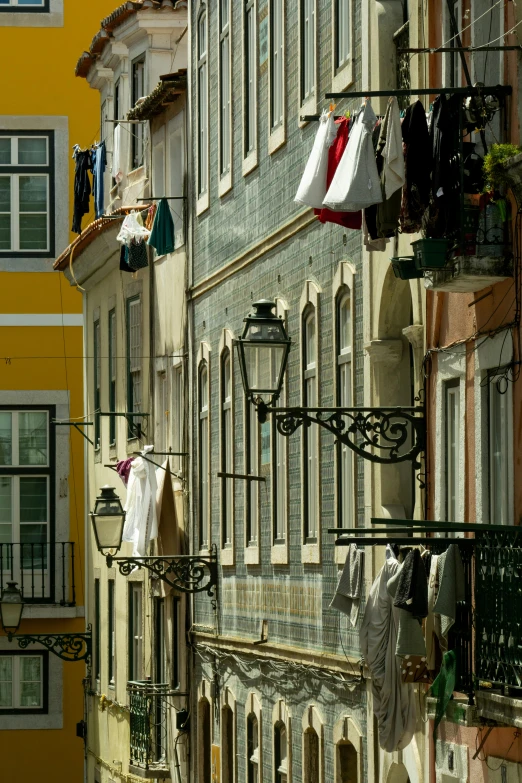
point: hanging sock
(162, 234)
(312, 188)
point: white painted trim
(279, 552)
(343, 78)
(226, 342)
(51, 18)
(277, 134)
(347, 730)
(41, 319)
(309, 105)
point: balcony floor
(470, 274)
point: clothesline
(498, 89)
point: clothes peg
(332, 106)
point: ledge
(52, 611)
(159, 772)
(503, 709)
(469, 274)
(458, 711)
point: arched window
(224, 87)
(204, 742)
(202, 68)
(203, 454)
(344, 333)
(252, 749)
(342, 28)
(280, 753)
(311, 756)
(228, 744)
(310, 434)
(227, 461)
(347, 763)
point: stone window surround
(204, 355)
(228, 699)
(308, 106)
(346, 729)
(203, 201)
(226, 343)
(225, 180)
(312, 719)
(279, 552)
(277, 135)
(311, 553)
(253, 707)
(281, 714)
(344, 281)
(49, 15)
(343, 77)
(443, 773)
(204, 694)
(251, 160)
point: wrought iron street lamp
(67, 646)
(183, 572)
(383, 435)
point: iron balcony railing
(148, 704)
(44, 572)
(401, 39)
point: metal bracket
(67, 646)
(76, 425)
(134, 428)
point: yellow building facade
(42, 505)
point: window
(24, 5)
(112, 375)
(203, 457)
(347, 762)
(224, 86)
(342, 27)
(202, 106)
(138, 91)
(307, 49)
(500, 452)
(26, 193)
(452, 405)
(310, 756)
(252, 749)
(26, 498)
(133, 361)
(280, 753)
(177, 417)
(97, 382)
(23, 683)
(204, 742)
(451, 62)
(228, 745)
(249, 77)
(227, 460)
(176, 640)
(177, 181)
(345, 481)
(160, 664)
(112, 632)
(135, 632)
(97, 632)
(252, 469)
(162, 412)
(279, 470)
(117, 103)
(310, 434)
(276, 63)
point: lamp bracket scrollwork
(67, 646)
(186, 573)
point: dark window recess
(97, 631)
(112, 376)
(111, 628)
(97, 383)
(175, 679)
(138, 91)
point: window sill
(202, 204)
(249, 163)
(343, 79)
(309, 106)
(276, 138)
(311, 554)
(227, 556)
(252, 555)
(225, 184)
(279, 554)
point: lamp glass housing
(108, 519)
(11, 608)
(263, 352)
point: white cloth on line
(132, 229)
(141, 522)
(356, 183)
(312, 188)
(393, 700)
(117, 172)
(348, 593)
(392, 153)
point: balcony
(148, 729)
(44, 572)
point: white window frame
(307, 99)
(451, 59)
(162, 413)
(347, 730)
(176, 175)
(312, 720)
(250, 155)
(204, 474)
(177, 419)
(111, 626)
(311, 438)
(252, 497)
(500, 482)
(136, 630)
(227, 449)
(225, 127)
(15, 705)
(276, 72)
(342, 71)
(134, 359)
(281, 716)
(36, 5)
(253, 708)
(452, 448)
(279, 468)
(112, 391)
(344, 388)
(202, 115)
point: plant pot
(430, 253)
(404, 268)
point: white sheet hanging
(356, 184)
(117, 172)
(392, 153)
(131, 229)
(312, 188)
(141, 523)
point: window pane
(5, 207)
(5, 232)
(6, 681)
(29, 2)
(30, 694)
(33, 438)
(5, 194)
(33, 232)
(33, 194)
(5, 501)
(6, 445)
(5, 151)
(33, 499)
(30, 667)
(32, 152)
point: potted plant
(500, 168)
(430, 253)
(404, 268)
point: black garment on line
(82, 188)
(412, 587)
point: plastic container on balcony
(430, 253)
(404, 268)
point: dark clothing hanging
(124, 259)
(443, 219)
(99, 164)
(335, 153)
(82, 187)
(370, 213)
(389, 210)
(412, 587)
(137, 258)
(162, 234)
(418, 161)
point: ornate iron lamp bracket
(67, 646)
(383, 435)
(187, 573)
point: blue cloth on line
(99, 164)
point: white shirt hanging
(312, 188)
(141, 523)
(132, 229)
(356, 184)
(392, 153)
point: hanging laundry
(443, 687)
(418, 160)
(132, 228)
(335, 153)
(432, 630)
(451, 587)
(390, 164)
(356, 182)
(117, 157)
(99, 164)
(162, 234)
(412, 586)
(393, 700)
(149, 222)
(137, 255)
(82, 186)
(124, 259)
(312, 188)
(141, 524)
(410, 638)
(443, 216)
(348, 593)
(168, 543)
(123, 469)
